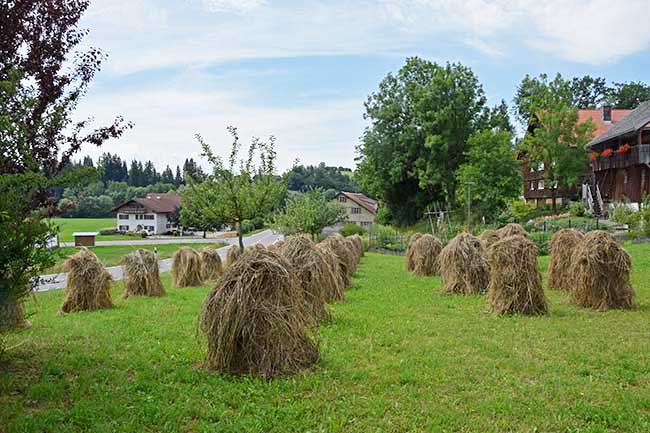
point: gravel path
(58, 281)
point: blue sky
(301, 70)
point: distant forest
(115, 181)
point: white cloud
(238, 6)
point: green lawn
(397, 356)
(70, 225)
(111, 255)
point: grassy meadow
(67, 226)
(112, 255)
(396, 356)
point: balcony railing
(637, 155)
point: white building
(153, 213)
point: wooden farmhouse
(154, 214)
(361, 210)
(620, 159)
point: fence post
(544, 226)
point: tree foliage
(240, 190)
(420, 119)
(42, 79)
(335, 179)
(491, 172)
(557, 139)
(309, 213)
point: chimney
(607, 113)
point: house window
(144, 217)
(625, 178)
(139, 217)
(540, 184)
(148, 228)
(540, 166)
(532, 186)
(123, 228)
(123, 216)
(355, 210)
(343, 199)
(148, 217)
(365, 223)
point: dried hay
(515, 282)
(463, 266)
(511, 229)
(233, 253)
(337, 247)
(276, 246)
(601, 273)
(563, 245)
(354, 252)
(359, 244)
(410, 252)
(488, 237)
(186, 268)
(334, 285)
(312, 272)
(255, 320)
(141, 274)
(88, 287)
(425, 255)
(211, 267)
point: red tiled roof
(367, 203)
(157, 202)
(597, 117)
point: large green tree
(555, 137)
(420, 119)
(629, 95)
(239, 190)
(491, 175)
(308, 213)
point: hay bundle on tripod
(345, 259)
(276, 246)
(334, 285)
(354, 253)
(255, 320)
(312, 271)
(211, 267)
(425, 255)
(409, 257)
(511, 230)
(186, 268)
(488, 237)
(601, 273)
(515, 283)
(141, 274)
(563, 244)
(88, 287)
(232, 254)
(463, 266)
(359, 245)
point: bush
(522, 211)
(352, 229)
(621, 214)
(577, 209)
(107, 232)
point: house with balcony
(536, 189)
(155, 214)
(620, 159)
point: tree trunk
(204, 234)
(240, 235)
(11, 315)
(554, 199)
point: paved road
(58, 281)
(154, 241)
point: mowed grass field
(67, 226)
(112, 255)
(396, 356)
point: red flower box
(593, 156)
(606, 153)
(623, 149)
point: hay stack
(211, 267)
(425, 255)
(515, 283)
(186, 268)
(276, 246)
(255, 320)
(341, 250)
(312, 272)
(601, 273)
(89, 284)
(334, 286)
(488, 237)
(463, 266)
(563, 245)
(359, 244)
(410, 252)
(141, 274)
(232, 255)
(511, 230)
(354, 252)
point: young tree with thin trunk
(240, 190)
(309, 213)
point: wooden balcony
(637, 155)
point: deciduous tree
(308, 213)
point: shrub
(577, 209)
(352, 229)
(107, 232)
(621, 213)
(522, 211)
